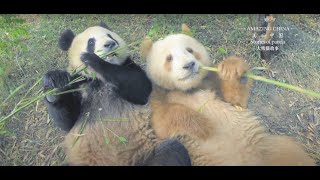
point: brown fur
(167, 66)
(177, 119)
(197, 55)
(214, 131)
(145, 46)
(235, 137)
(185, 29)
(230, 71)
(90, 147)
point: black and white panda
(108, 123)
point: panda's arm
(64, 108)
(131, 81)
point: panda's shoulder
(131, 64)
(128, 61)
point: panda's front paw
(89, 58)
(55, 79)
(233, 68)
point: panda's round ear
(104, 25)
(145, 47)
(186, 30)
(66, 39)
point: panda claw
(92, 60)
(87, 57)
(55, 79)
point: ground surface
(35, 140)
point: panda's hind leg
(63, 108)
(169, 153)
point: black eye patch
(91, 45)
(113, 39)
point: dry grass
(36, 143)
(288, 112)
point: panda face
(174, 62)
(100, 41)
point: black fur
(102, 24)
(168, 153)
(132, 83)
(113, 39)
(91, 45)
(64, 108)
(66, 39)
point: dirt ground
(36, 140)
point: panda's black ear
(66, 39)
(104, 25)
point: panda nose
(189, 65)
(110, 44)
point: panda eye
(91, 41)
(91, 45)
(189, 50)
(169, 58)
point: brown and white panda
(213, 130)
(108, 123)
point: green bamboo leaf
(94, 75)
(13, 93)
(107, 141)
(69, 91)
(152, 31)
(222, 50)
(122, 139)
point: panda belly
(110, 131)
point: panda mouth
(190, 76)
(111, 56)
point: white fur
(79, 45)
(176, 46)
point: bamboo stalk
(263, 79)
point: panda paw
(233, 68)
(169, 153)
(55, 79)
(89, 59)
